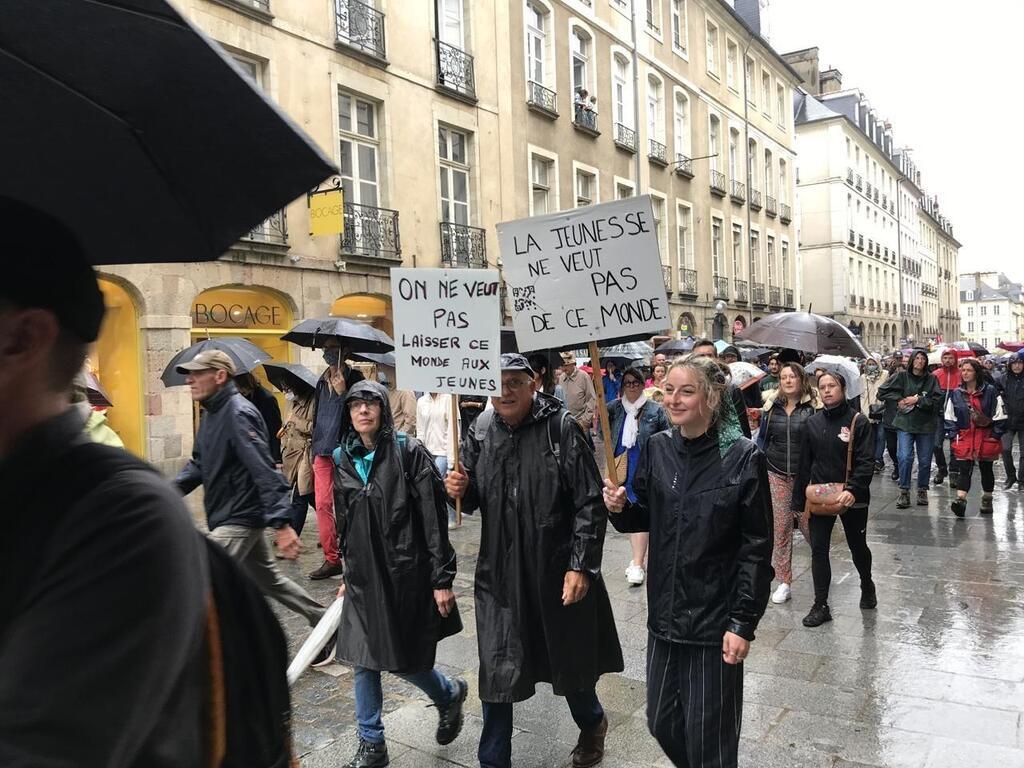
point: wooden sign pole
(454, 418)
(602, 411)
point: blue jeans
(879, 441)
(441, 462)
(496, 738)
(370, 697)
(906, 445)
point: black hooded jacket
(393, 535)
(1012, 387)
(823, 454)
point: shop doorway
(116, 361)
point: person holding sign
(542, 609)
(702, 493)
(399, 568)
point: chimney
(831, 81)
(750, 12)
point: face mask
(289, 396)
(332, 356)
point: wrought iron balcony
(684, 166)
(272, 230)
(874, 195)
(463, 246)
(775, 296)
(867, 189)
(758, 294)
(666, 274)
(789, 298)
(853, 237)
(371, 232)
(738, 192)
(688, 282)
(871, 304)
(755, 200)
(625, 137)
(360, 27)
(862, 302)
(770, 205)
(455, 70)
(885, 201)
(858, 182)
(860, 242)
(849, 175)
(657, 152)
(871, 246)
(541, 99)
(718, 183)
(721, 286)
(741, 291)
(585, 119)
(785, 213)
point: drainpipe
(636, 93)
(750, 183)
(899, 248)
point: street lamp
(718, 321)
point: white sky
(944, 74)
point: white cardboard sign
(585, 275)
(447, 330)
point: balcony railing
(874, 195)
(867, 188)
(853, 238)
(657, 152)
(371, 232)
(885, 201)
(741, 291)
(860, 242)
(361, 27)
(859, 183)
(463, 246)
(862, 302)
(775, 296)
(771, 206)
(688, 282)
(666, 274)
(684, 166)
(541, 99)
(758, 294)
(625, 137)
(721, 286)
(789, 298)
(738, 192)
(455, 70)
(272, 230)
(718, 183)
(849, 175)
(755, 200)
(785, 213)
(585, 118)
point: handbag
(876, 411)
(823, 498)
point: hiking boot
(326, 570)
(879, 466)
(818, 615)
(959, 507)
(589, 749)
(868, 596)
(940, 477)
(370, 755)
(986, 504)
(1010, 482)
(922, 497)
(450, 716)
(903, 502)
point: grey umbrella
(291, 375)
(140, 133)
(625, 354)
(356, 336)
(383, 358)
(806, 332)
(242, 352)
(676, 346)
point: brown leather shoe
(327, 570)
(589, 749)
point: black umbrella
(142, 135)
(245, 355)
(806, 332)
(358, 337)
(977, 349)
(755, 353)
(383, 358)
(94, 393)
(676, 347)
(297, 378)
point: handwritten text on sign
(585, 275)
(447, 330)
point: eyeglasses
(513, 385)
(371, 405)
(633, 384)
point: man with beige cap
(580, 396)
(244, 493)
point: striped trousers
(694, 703)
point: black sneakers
(450, 716)
(370, 755)
(868, 596)
(986, 504)
(959, 507)
(940, 477)
(818, 615)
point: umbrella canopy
(297, 378)
(622, 355)
(847, 368)
(1011, 346)
(94, 393)
(676, 346)
(745, 374)
(358, 337)
(755, 353)
(245, 355)
(144, 136)
(806, 332)
(384, 358)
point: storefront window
(115, 359)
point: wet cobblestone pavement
(934, 678)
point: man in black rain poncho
(542, 610)
(399, 566)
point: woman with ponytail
(701, 490)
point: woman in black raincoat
(702, 492)
(399, 567)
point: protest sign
(589, 274)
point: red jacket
(949, 378)
(971, 442)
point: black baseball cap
(46, 267)
(513, 361)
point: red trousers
(323, 492)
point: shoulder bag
(823, 498)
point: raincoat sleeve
(635, 517)
(190, 476)
(469, 454)
(582, 479)
(863, 469)
(892, 389)
(754, 572)
(803, 473)
(250, 445)
(932, 397)
(433, 513)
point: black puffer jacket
(232, 461)
(782, 434)
(1013, 400)
(824, 452)
(709, 562)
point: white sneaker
(782, 594)
(635, 574)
